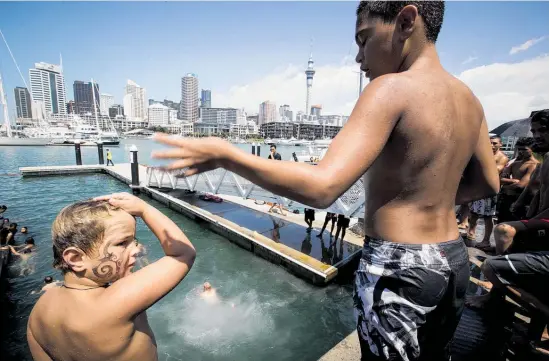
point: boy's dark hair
(525, 142)
(29, 240)
(496, 137)
(48, 279)
(80, 225)
(13, 225)
(541, 116)
(432, 13)
(273, 146)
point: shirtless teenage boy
(419, 138)
(99, 311)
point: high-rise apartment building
(189, 98)
(134, 102)
(267, 112)
(48, 86)
(106, 101)
(83, 97)
(159, 115)
(206, 98)
(23, 102)
(222, 116)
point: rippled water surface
(276, 316)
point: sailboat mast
(95, 108)
(4, 101)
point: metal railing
(221, 181)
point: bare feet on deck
(479, 302)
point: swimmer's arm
(350, 155)
(38, 353)
(481, 177)
(138, 291)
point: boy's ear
(74, 257)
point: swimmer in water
(209, 293)
(24, 230)
(49, 284)
(99, 313)
(418, 139)
(24, 250)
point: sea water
(264, 313)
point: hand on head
(197, 155)
(126, 202)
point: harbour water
(276, 316)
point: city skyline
(501, 52)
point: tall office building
(159, 115)
(83, 97)
(48, 86)
(189, 98)
(106, 101)
(134, 102)
(206, 98)
(267, 112)
(23, 102)
(285, 113)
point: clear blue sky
(230, 43)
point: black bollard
(253, 148)
(258, 150)
(135, 170)
(78, 153)
(100, 153)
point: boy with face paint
(98, 313)
(419, 139)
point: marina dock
(283, 240)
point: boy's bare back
(411, 187)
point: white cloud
(335, 87)
(510, 91)
(526, 45)
(507, 91)
(470, 59)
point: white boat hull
(5, 141)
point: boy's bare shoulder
(45, 304)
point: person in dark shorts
(329, 217)
(342, 225)
(528, 271)
(309, 218)
(417, 141)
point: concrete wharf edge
(292, 260)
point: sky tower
(310, 72)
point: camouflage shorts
(408, 298)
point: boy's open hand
(196, 155)
(126, 202)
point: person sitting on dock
(6, 223)
(276, 156)
(419, 139)
(99, 313)
(109, 157)
(12, 232)
(532, 233)
(329, 217)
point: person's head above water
(207, 286)
(48, 279)
(30, 241)
(95, 240)
(13, 227)
(539, 126)
(388, 31)
(24, 229)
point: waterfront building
(48, 86)
(189, 98)
(23, 102)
